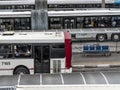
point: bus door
(42, 59)
(69, 23)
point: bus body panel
(57, 65)
(7, 66)
(68, 49)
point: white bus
(58, 4)
(35, 52)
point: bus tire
(115, 37)
(101, 37)
(21, 70)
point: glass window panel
(5, 51)
(22, 51)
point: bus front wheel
(101, 37)
(21, 70)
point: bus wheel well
(22, 67)
(115, 36)
(98, 35)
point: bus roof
(31, 37)
(86, 12)
(32, 2)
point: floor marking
(40, 79)
(19, 79)
(83, 78)
(62, 79)
(106, 80)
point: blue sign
(117, 1)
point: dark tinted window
(5, 51)
(22, 51)
(58, 46)
(58, 51)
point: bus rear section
(35, 52)
(61, 63)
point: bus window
(46, 52)
(118, 21)
(22, 24)
(80, 22)
(55, 23)
(107, 21)
(5, 51)
(22, 51)
(57, 51)
(69, 23)
(25, 23)
(87, 22)
(6, 24)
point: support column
(39, 16)
(40, 4)
(103, 4)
